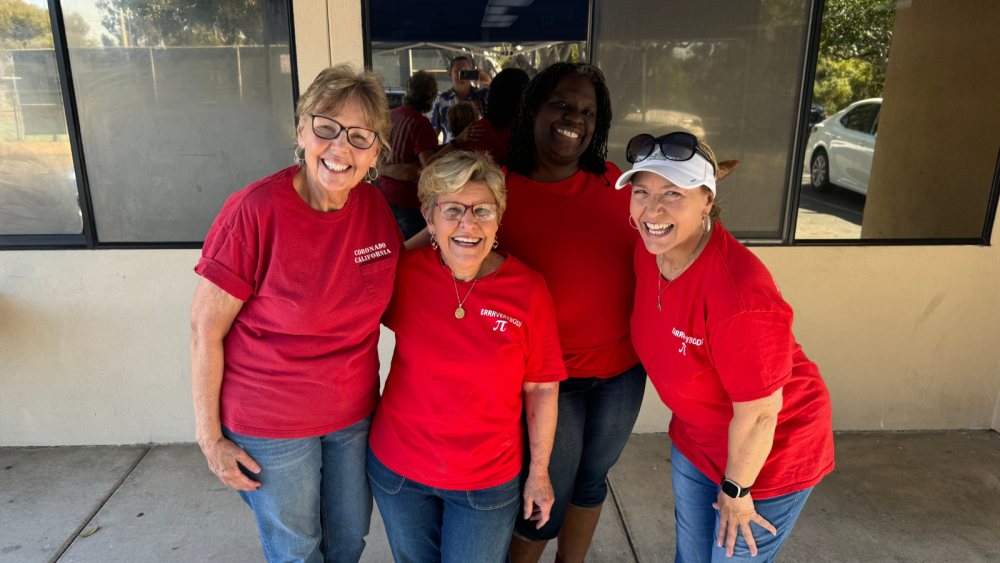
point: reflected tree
(853, 51)
(177, 23)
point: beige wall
(94, 344)
(939, 130)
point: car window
(875, 122)
(859, 117)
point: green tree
(24, 26)
(858, 29)
(853, 51)
(177, 23)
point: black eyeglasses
(359, 137)
(677, 146)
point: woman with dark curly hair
(565, 220)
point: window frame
(89, 239)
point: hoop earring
(434, 242)
(706, 223)
(631, 222)
(300, 160)
(496, 243)
(372, 176)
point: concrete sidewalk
(899, 497)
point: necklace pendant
(659, 306)
(459, 313)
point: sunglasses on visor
(677, 146)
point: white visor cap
(687, 174)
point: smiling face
(464, 243)
(335, 166)
(667, 216)
(564, 124)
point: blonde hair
(450, 173)
(716, 213)
(461, 116)
(337, 85)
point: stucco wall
(94, 344)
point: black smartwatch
(733, 490)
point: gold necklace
(659, 276)
(460, 312)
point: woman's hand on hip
(738, 513)
(224, 457)
(538, 497)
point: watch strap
(733, 489)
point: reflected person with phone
(462, 76)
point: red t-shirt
(576, 234)
(301, 357)
(724, 336)
(450, 414)
(492, 141)
(412, 134)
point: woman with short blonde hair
(296, 272)
(476, 342)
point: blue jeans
(314, 504)
(426, 524)
(698, 522)
(409, 219)
(596, 417)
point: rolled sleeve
(217, 273)
(225, 260)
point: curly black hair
(520, 156)
(504, 96)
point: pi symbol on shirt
(683, 349)
(501, 326)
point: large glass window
(727, 71)
(180, 105)
(412, 35)
(905, 132)
(38, 194)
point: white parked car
(840, 148)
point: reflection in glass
(850, 76)
(37, 180)
(907, 151)
(181, 104)
(729, 72)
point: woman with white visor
(751, 426)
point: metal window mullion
(801, 139)
(366, 35)
(293, 56)
(72, 121)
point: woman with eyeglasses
(297, 270)
(565, 220)
(476, 342)
(751, 427)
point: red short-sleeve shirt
(412, 134)
(301, 357)
(450, 414)
(724, 336)
(577, 235)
